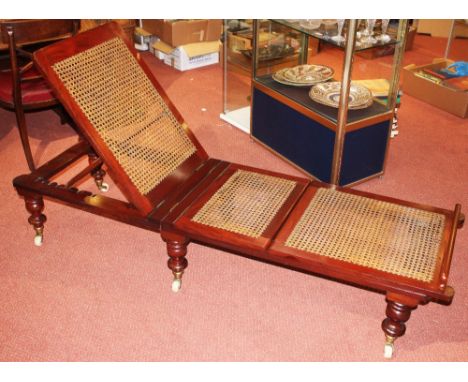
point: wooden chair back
(22, 37)
(19, 33)
(37, 30)
(123, 112)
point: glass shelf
(237, 73)
(321, 35)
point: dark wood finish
(40, 182)
(97, 172)
(201, 177)
(93, 165)
(17, 34)
(35, 206)
(38, 30)
(449, 241)
(173, 205)
(176, 250)
(184, 225)
(397, 315)
(48, 56)
(360, 275)
(54, 166)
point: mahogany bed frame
(173, 187)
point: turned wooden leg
(35, 206)
(394, 325)
(177, 261)
(98, 174)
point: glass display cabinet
(237, 72)
(324, 93)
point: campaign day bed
(173, 187)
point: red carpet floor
(99, 290)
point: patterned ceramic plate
(328, 94)
(279, 77)
(308, 74)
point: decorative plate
(328, 94)
(308, 74)
(279, 77)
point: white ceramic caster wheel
(104, 187)
(38, 240)
(176, 284)
(388, 351)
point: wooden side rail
(445, 269)
(38, 184)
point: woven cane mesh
(380, 235)
(121, 103)
(246, 203)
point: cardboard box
(181, 61)
(189, 56)
(238, 42)
(128, 25)
(182, 32)
(451, 100)
(442, 27)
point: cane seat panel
(115, 94)
(384, 236)
(246, 203)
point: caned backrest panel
(117, 103)
(110, 87)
